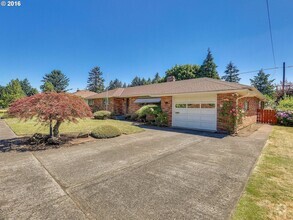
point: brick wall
(251, 113)
(166, 105)
(221, 98)
(133, 107)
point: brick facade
(166, 105)
(221, 98)
(251, 114)
(119, 107)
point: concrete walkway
(156, 174)
(5, 131)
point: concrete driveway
(156, 174)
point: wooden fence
(266, 116)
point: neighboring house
(193, 103)
(84, 94)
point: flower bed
(285, 118)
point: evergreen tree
(95, 82)
(209, 68)
(157, 78)
(116, 83)
(137, 81)
(181, 72)
(12, 92)
(124, 85)
(231, 73)
(48, 87)
(262, 82)
(58, 80)
(27, 88)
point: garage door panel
(198, 112)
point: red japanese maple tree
(51, 108)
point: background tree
(209, 68)
(48, 87)
(116, 83)
(95, 82)
(27, 88)
(157, 78)
(262, 82)
(124, 85)
(58, 80)
(11, 92)
(231, 73)
(51, 109)
(182, 72)
(137, 81)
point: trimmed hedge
(102, 115)
(148, 109)
(105, 131)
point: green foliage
(161, 119)
(262, 82)
(181, 72)
(270, 102)
(286, 104)
(106, 131)
(57, 79)
(157, 78)
(209, 68)
(137, 81)
(27, 88)
(102, 115)
(147, 109)
(95, 82)
(48, 87)
(10, 93)
(114, 84)
(231, 73)
(232, 115)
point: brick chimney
(171, 79)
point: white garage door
(195, 112)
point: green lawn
(269, 191)
(87, 125)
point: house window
(106, 101)
(90, 101)
(180, 106)
(193, 105)
(246, 106)
(208, 105)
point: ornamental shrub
(286, 104)
(161, 119)
(105, 131)
(285, 118)
(148, 109)
(102, 115)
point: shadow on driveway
(183, 131)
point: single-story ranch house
(193, 103)
(84, 94)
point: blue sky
(134, 37)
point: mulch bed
(41, 142)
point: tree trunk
(51, 129)
(56, 129)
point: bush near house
(102, 115)
(286, 104)
(285, 118)
(285, 112)
(151, 114)
(105, 131)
